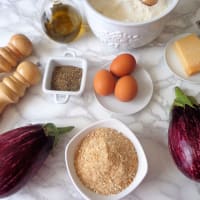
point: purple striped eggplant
(22, 152)
(184, 135)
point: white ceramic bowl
(69, 60)
(72, 147)
(124, 35)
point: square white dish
(72, 147)
(72, 60)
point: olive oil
(63, 24)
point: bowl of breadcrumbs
(105, 160)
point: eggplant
(184, 134)
(22, 152)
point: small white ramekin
(69, 60)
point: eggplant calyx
(51, 130)
(182, 99)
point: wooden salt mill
(17, 49)
(14, 86)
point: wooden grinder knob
(17, 49)
(22, 44)
(30, 72)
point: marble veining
(163, 181)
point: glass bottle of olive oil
(61, 22)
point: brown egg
(123, 64)
(126, 88)
(22, 44)
(104, 82)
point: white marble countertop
(163, 181)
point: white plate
(174, 64)
(71, 148)
(145, 91)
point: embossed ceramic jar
(125, 35)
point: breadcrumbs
(106, 161)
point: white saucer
(145, 91)
(174, 64)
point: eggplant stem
(51, 130)
(182, 99)
(62, 130)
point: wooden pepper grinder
(13, 87)
(17, 49)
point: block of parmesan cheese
(188, 51)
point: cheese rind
(188, 51)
